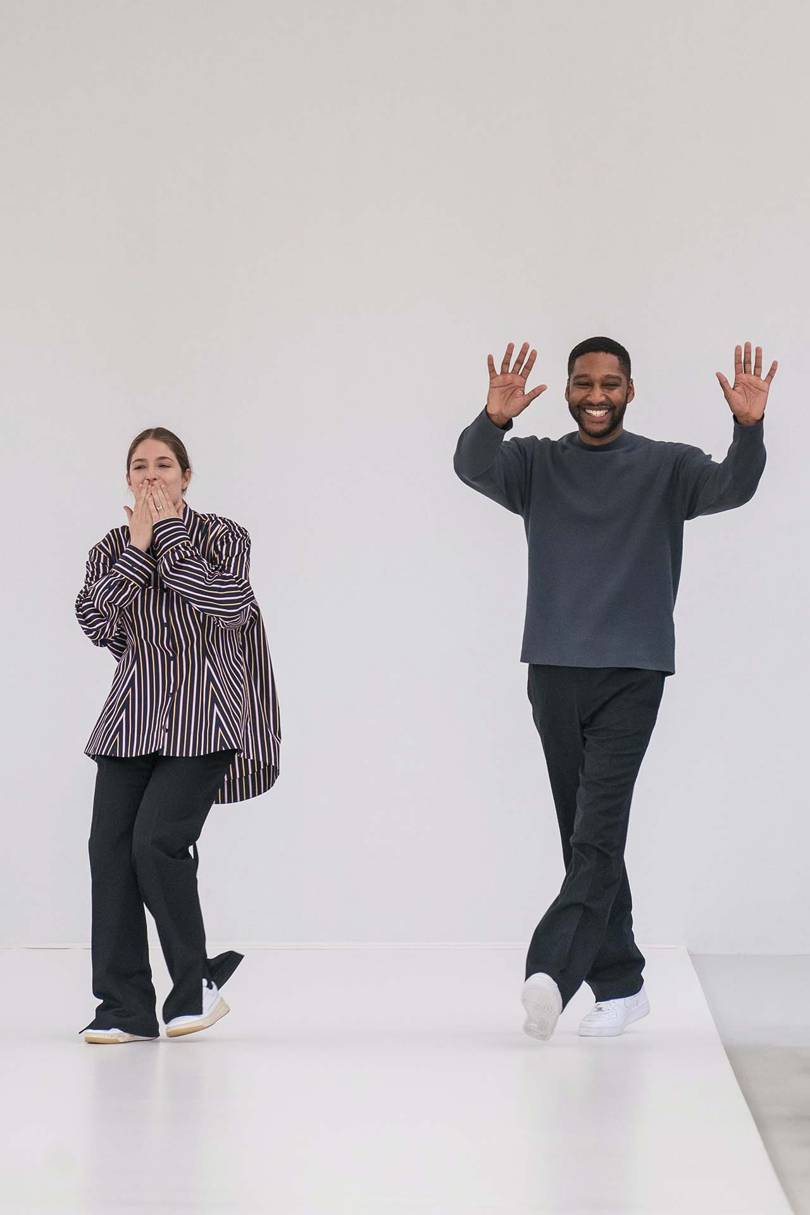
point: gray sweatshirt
(604, 525)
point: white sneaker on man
(116, 1035)
(611, 1017)
(213, 1007)
(543, 1003)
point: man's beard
(599, 426)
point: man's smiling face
(598, 392)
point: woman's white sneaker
(543, 1003)
(213, 1007)
(116, 1036)
(611, 1017)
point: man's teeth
(596, 413)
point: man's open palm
(749, 394)
(507, 395)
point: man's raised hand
(507, 395)
(749, 395)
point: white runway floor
(373, 1080)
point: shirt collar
(621, 440)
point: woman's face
(155, 462)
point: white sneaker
(611, 1017)
(543, 1003)
(213, 1007)
(116, 1035)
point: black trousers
(594, 724)
(148, 812)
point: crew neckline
(621, 440)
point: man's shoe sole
(193, 1027)
(543, 1006)
(587, 1031)
(115, 1039)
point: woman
(192, 719)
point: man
(603, 510)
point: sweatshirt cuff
(479, 444)
(167, 534)
(136, 565)
(493, 426)
(483, 434)
(757, 426)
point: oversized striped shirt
(193, 671)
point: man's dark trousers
(595, 724)
(148, 813)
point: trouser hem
(615, 991)
(129, 1027)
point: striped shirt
(194, 673)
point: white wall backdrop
(292, 233)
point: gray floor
(761, 1007)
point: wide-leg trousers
(148, 813)
(595, 725)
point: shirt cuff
(167, 534)
(136, 565)
(748, 425)
(494, 425)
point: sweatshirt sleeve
(704, 487)
(219, 588)
(110, 585)
(501, 471)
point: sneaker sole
(587, 1031)
(116, 1039)
(192, 1027)
(542, 1011)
